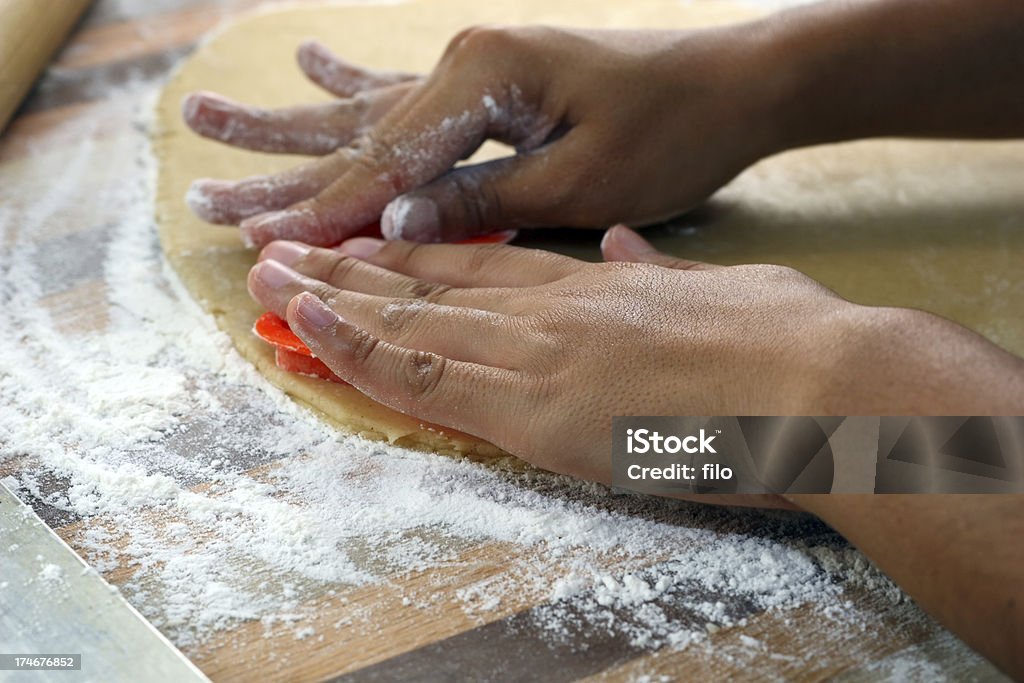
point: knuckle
(426, 291)
(457, 39)
(400, 256)
(423, 373)
(487, 48)
(339, 267)
(777, 272)
(362, 345)
(478, 40)
(398, 318)
(397, 255)
(369, 154)
(543, 353)
(321, 290)
(484, 258)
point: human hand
(536, 352)
(609, 126)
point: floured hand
(607, 126)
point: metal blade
(51, 602)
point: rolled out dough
(933, 225)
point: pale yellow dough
(934, 225)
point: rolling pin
(30, 33)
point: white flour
(228, 502)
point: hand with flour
(607, 126)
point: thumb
(622, 244)
(478, 199)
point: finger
(226, 202)
(455, 332)
(464, 265)
(467, 396)
(342, 78)
(519, 191)
(347, 273)
(308, 129)
(273, 285)
(411, 322)
(394, 158)
(622, 244)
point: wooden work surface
(119, 41)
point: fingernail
(207, 112)
(361, 247)
(284, 251)
(628, 240)
(314, 312)
(194, 102)
(411, 218)
(190, 106)
(273, 274)
(215, 100)
(200, 198)
(260, 229)
(312, 47)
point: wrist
(778, 72)
(833, 73)
(734, 80)
(804, 57)
(869, 364)
(895, 361)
